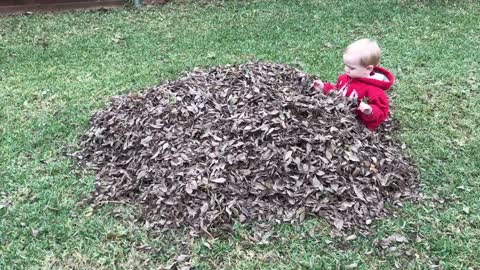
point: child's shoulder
(342, 79)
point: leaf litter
(244, 143)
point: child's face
(353, 68)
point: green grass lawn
(57, 70)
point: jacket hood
(384, 80)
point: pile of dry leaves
(244, 143)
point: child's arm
(324, 86)
(327, 87)
(377, 108)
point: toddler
(363, 80)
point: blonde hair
(366, 49)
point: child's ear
(370, 68)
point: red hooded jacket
(373, 87)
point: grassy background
(57, 70)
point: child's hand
(317, 85)
(365, 108)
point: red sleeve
(377, 99)
(327, 87)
